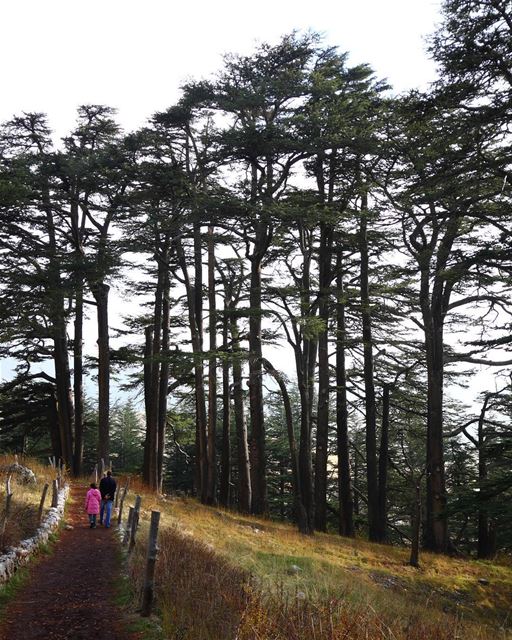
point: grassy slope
(22, 521)
(443, 589)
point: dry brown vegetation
(22, 519)
(223, 576)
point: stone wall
(16, 556)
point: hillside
(259, 576)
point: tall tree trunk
(63, 387)
(257, 440)
(164, 372)
(322, 427)
(356, 485)
(57, 316)
(53, 416)
(78, 376)
(100, 291)
(153, 405)
(305, 472)
(484, 539)
(383, 464)
(415, 527)
(196, 324)
(346, 501)
(225, 460)
(201, 416)
(304, 519)
(370, 406)
(60, 341)
(212, 373)
(244, 469)
(436, 538)
(434, 307)
(305, 360)
(148, 367)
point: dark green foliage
(27, 417)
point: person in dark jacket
(107, 490)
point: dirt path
(70, 592)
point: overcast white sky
(134, 54)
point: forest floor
(250, 578)
(70, 593)
(324, 576)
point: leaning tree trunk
(304, 522)
(370, 407)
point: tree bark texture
(322, 428)
(100, 291)
(257, 439)
(211, 492)
(164, 372)
(243, 463)
(195, 324)
(225, 460)
(370, 405)
(148, 353)
(346, 501)
(383, 464)
(78, 376)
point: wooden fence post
(149, 581)
(120, 514)
(41, 504)
(128, 526)
(55, 493)
(135, 523)
(116, 501)
(8, 500)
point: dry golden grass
(342, 588)
(22, 520)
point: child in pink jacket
(92, 504)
